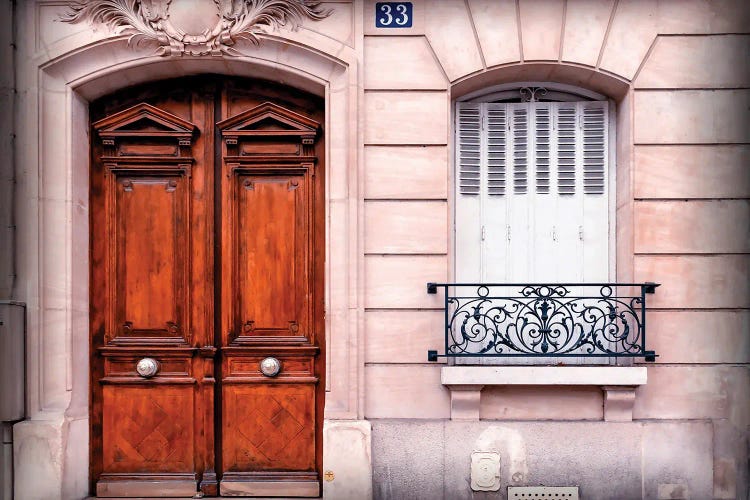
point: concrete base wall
(51, 460)
(418, 459)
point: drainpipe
(7, 223)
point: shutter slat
(469, 148)
(594, 148)
(566, 150)
(496, 147)
(542, 148)
(520, 150)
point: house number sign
(393, 14)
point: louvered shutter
(543, 201)
(469, 139)
(595, 186)
(499, 168)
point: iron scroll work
(544, 320)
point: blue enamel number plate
(393, 14)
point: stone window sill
(617, 382)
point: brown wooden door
(207, 247)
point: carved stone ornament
(149, 21)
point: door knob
(270, 367)
(147, 367)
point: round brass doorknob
(270, 367)
(147, 367)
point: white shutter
(568, 264)
(495, 215)
(468, 243)
(518, 229)
(595, 199)
(542, 202)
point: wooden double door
(207, 310)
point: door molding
(163, 190)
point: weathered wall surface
(431, 459)
(679, 75)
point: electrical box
(485, 471)
(12, 360)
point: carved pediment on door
(145, 132)
(268, 129)
(144, 120)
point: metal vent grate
(544, 492)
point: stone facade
(678, 75)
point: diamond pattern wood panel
(148, 430)
(269, 428)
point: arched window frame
(545, 91)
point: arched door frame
(57, 142)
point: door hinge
(508, 232)
(484, 232)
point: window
(532, 200)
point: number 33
(388, 17)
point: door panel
(152, 428)
(269, 428)
(151, 258)
(272, 255)
(207, 232)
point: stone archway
(55, 438)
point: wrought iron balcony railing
(545, 320)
